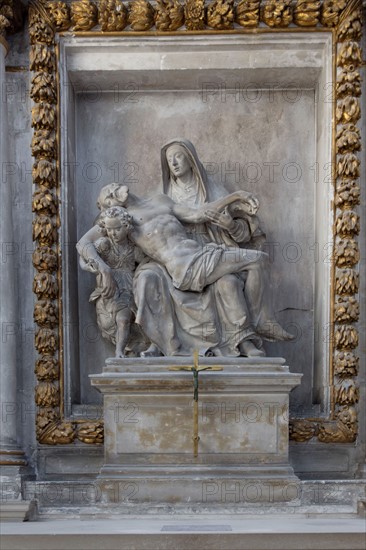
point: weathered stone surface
(243, 430)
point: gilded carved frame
(342, 18)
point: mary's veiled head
(178, 159)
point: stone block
(242, 424)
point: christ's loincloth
(201, 266)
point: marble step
(188, 532)
(317, 496)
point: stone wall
(96, 119)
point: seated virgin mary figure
(216, 320)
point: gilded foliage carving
(169, 15)
(45, 418)
(44, 173)
(347, 281)
(277, 13)
(348, 194)
(343, 430)
(346, 393)
(302, 430)
(42, 58)
(61, 433)
(349, 55)
(348, 83)
(346, 364)
(43, 116)
(44, 230)
(45, 313)
(39, 29)
(48, 17)
(44, 143)
(43, 88)
(306, 13)
(44, 201)
(247, 13)
(346, 337)
(220, 14)
(141, 16)
(348, 166)
(51, 430)
(45, 259)
(47, 368)
(348, 110)
(348, 223)
(351, 27)
(60, 15)
(331, 11)
(45, 285)
(45, 206)
(47, 394)
(348, 139)
(346, 310)
(346, 252)
(84, 15)
(90, 432)
(112, 15)
(46, 341)
(194, 14)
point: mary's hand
(222, 219)
(249, 202)
(108, 283)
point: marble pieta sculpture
(181, 270)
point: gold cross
(195, 369)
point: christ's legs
(257, 288)
(155, 313)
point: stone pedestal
(243, 430)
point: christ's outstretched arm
(199, 215)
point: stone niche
(251, 106)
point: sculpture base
(242, 422)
